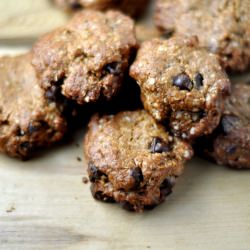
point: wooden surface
(44, 204)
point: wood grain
(54, 209)
(28, 18)
(44, 204)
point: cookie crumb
(85, 180)
(79, 158)
(10, 209)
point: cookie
(230, 143)
(223, 27)
(132, 159)
(88, 57)
(28, 119)
(130, 7)
(181, 84)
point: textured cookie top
(182, 83)
(235, 121)
(238, 104)
(88, 56)
(27, 119)
(130, 7)
(133, 151)
(223, 26)
(230, 143)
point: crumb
(77, 145)
(85, 180)
(79, 158)
(10, 209)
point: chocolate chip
(198, 79)
(183, 82)
(127, 206)
(112, 68)
(94, 173)
(158, 145)
(26, 147)
(53, 94)
(231, 149)
(228, 123)
(150, 207)
(137, 174)
(75, 6)
(20, 132)
(166, 186)
(196, 116)
(32, 128)
(4, 122)
(102, 197)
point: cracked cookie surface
(132, 159)
(182, 84)
(223, 27)
(27, 119)
(131, 7)
(87, 57)
(230, 143)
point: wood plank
(52, 209)
(28, 18)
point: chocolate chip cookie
(132, 159)
(181, 84)
(131, 7)
(222, 26)
(27, 119)
(88, 57)
(230, 143)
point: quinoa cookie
(88, 57)
(27, 119)
(230, 143)
(132, 159)
(131, 7)
(223, 27)
(181, 84)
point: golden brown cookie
(230, 143)
(28, 119)
(182, 84)
(222, 26)
(87, 57)
(132, 159)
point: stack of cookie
(136, 155)
(79, 63)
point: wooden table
(45, 205)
